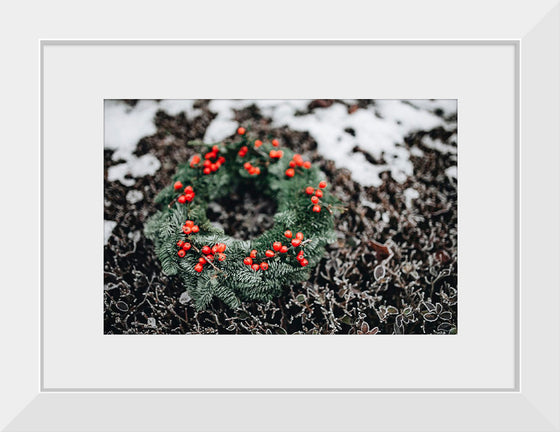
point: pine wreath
(213, 265)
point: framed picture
(450, 321)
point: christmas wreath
(214, 265)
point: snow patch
(409, 195)
(184, 298)
(134, 196)
(378, 130)
(135, 167)
(125, 126)
(108, 227)
(439, 145)
(451, 172)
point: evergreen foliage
(278, 173)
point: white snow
(379, 130)
(451, 172)
(438, 145)
(108, 226)
(125, 126)
(134, 196)
(184, 298)
(409, 195)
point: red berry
(299, 256)
(323, 184)
(258, 143)
(181, 253)
(187, 246)
(214, 249)
(189, 197)
(209, 258)
(269, 253)
(241, 131)
(187, 230)
(195, 159)
(182, 199)
(221, 257)
(207, 164)
(255, 267)
(304, 262)
(202, 260)
(279, 154)
(317, 208)
(273, 153)
(178, 185)
(276, 246)
(309, 190)
(284, 249)
(275, 142)
(298, 159)
(221, 247)
(189, 223)
(319, 193)
(288, 234)
(248, 261)
(206, 171)
(206, 250)
(299, 236)
(195, 229)
(296, 242)
(214, 167)
(221, 160)
(209, 155)
(247, 165)
(307, 164)
(314, 199)
(292, 164)
(290, 172)
(198, 267)
(264, 266)
(215, 149)
(253, 253)
(180, 243)
(188, 189)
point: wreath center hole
(243, 214)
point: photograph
(280, 217)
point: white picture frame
(531, 404)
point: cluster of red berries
(297, 161)
(276, 154)
(187, 195)
(252, 170)
(243, 151)
(277, 247)
(255, 266)
(296, 241)
(190, 228)
(315, 195)
(210, 254)
(212, 162)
